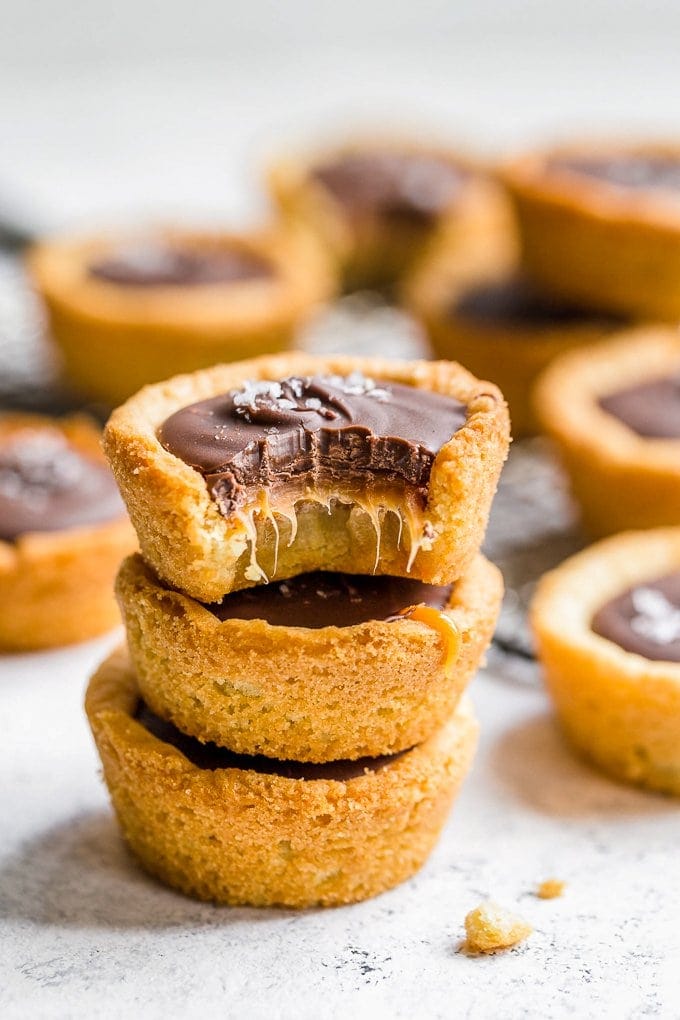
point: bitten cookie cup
(321, 694)
(620, 479)
(127, 310)
(354, 525)
(56, 587)
(238, 836)
(600, 225)
(619, 709)
(391, 198)
(494, 322)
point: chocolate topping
(637, 172)
(323, 599)
(331, 427)
(417, 186)
(513, 301)
(158, 265)
(46, 484)
(645, 619)
(210, 756)
(651, 409)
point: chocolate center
(514, 302)
(48, 485)
(411, 186)
(639, 173)
(645, 619)
(331, 428)
(324, 599)
(650, 409)
(159, 265)
(210, 756)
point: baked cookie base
(618, 709)
(597, 245)
(620, 480)
(194, 548)
(113, 340)
(304, 694)
(235, 836)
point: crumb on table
(550, 889)
(489, 927)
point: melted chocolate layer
(415, 186)
(324, 599)
(210, 756)
(158, 265)
(514, 302)
(645, 619)
(651, 409)
(637, 172)
(331, 427)
(46, 484)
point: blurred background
(165, 107)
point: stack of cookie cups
(288, 725)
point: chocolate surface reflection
(645, 619)
(46, 484)
(325, 599)
(416, 186)
(513, 301)
(637, 172)
(211, 757)
(336, 427)
(651, 409)
(161, 265)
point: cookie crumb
(490, 927)
(550, 889)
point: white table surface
(83, 933)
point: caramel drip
(409, 516)
(443, 625)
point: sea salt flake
(656, 619)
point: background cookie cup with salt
(56, 587)
(305, 694)
(620, 479)
(113, 339)
(619, 709)
(191, 546)
(238, 836)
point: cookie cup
(596, 243)
(298, 693)
(619, 709)
(114, 339)
(56, 587)
(621, 480)
(373, 250)
(238, 836)
(512, 352)
(353, 528)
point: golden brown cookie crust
(512, 354)
(194, 548)
(240, 837)
(373, 253)
(620, 710)
(115, 339)
(621, 480)
(56, 587)
(594, 243)
(309, 695)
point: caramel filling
(273, 445)
(444, 627)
